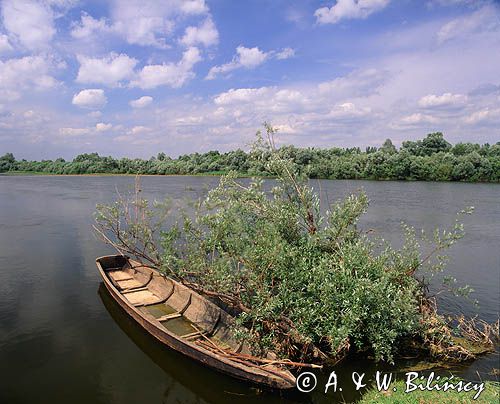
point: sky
(136, 77)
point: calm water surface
(62, 339)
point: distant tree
(388, 147)
(161, 156)
(464, 148)
(86, 157)
(412, 147)
(494, 150)
(8, 157)
(400, 165)
(419, 168)
(434, 143)
(7, 162)
(463, 170)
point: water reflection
(187, 380)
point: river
(62, 339)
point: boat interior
(170, 305)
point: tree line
(429, 159)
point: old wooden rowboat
(185, 321)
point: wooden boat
(186, 321)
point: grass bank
(491, 394)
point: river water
(62, 339)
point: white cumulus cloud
(418, 118)
(88, 25)
(30, 22)
(348, 110)
(26, 73)
(348, 9)
(151, 22)
(241, 95)
(139, 129)
(142, 102)
(90, 98)
(206, 34)
(445, 100)
(245, 57)
(110, 70)
(484, 116)
(193, 6)
(170, 74)
(103, 127)
(140, 22)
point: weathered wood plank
(169, 317)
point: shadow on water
(189, 381)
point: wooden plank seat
(169, 317)
(131, 283)
(142, 298)
(132, 290)
(120, 275)
(136, 284)
(152, 303)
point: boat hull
(253, 375)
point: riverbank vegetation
(310, 286)
(491, 394)
(429, 159)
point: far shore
(214, 174)
(38, 173)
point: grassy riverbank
(491, 394)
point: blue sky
(132, 78)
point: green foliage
(429, 159)
(7, 162)
(289, 271)
(388, 147)
(432, 143)
(305, 284)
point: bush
(306, 285)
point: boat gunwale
(282, 382)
